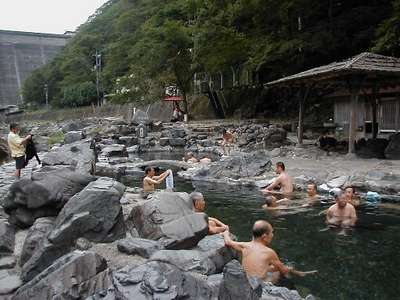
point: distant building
(20, 54)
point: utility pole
(98, 70)
(46, 94)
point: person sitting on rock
(228, 139)
(151, 180)
(205, 159)
(351, 196)
(341, 214)
(214, 225)
(190, 158)
(258, 259)
(281, 187)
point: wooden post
(397, 116)
(301, 113)
(353, 120)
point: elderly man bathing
(283, 182)
(342, 213)
(214, 225)
(258, 259)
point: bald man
(258, 259)
(199, 204)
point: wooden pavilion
(367, 74)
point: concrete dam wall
(20, 54)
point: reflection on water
(360, 265)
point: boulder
(43, 195)
(371, 148)
(238, 165)
(177, 142)
(114, 150)
(4, 150)
(76, 275)
(170, 217)
(142, 247)
(164, 141)
(177, 132)
(157, 280)
(392, 151)
(236, 285)
(128, 141)
(36, 234)
(7, 262)
(73, 136)
(7, 238)
(79, 156)
(338, 182)
(271, 292)
(95, 214)
(9, 282)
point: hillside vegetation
(148, 44)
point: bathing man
(283, 182)
(313, 197)
(342, 213)
(151, 180)
(351, 197)
(258, 260)
(214, 225)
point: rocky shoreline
(71, 230)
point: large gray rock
(142, 247)
(156, 280)
(73, 136)
(43, 195)
(95, 214)
(114, 150)
(238, 165)
(177, 142)
(169, 217)
(236, 285)
(36, 234)
(9, 282)
(392, 151)
(77, 155)
(7, 238)
(76, 275)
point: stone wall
(20, 54)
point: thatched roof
(364, 63)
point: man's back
(286, 183)
(258, 260)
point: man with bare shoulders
(214, 225)
(151, 180)
(281, 187)
(312, 194)
(258, 260)
(342, 213)
(351, 197)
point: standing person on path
(17, 148)
(228, 139)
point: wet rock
(95, 214)
(175, 142)
(138, 246)
(392, 151)
(9, 282)
(73, 136)
(338, 182)
(239, 165)
(170, 217)
(271, 292)
(43, 195)
(7, 237)
(7, 262)
(236, 285)
(76, 275)
(214, 247)
(156, 280)
(36, 234)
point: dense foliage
(148, 44)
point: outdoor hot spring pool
(360, 265)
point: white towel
(169, 181)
